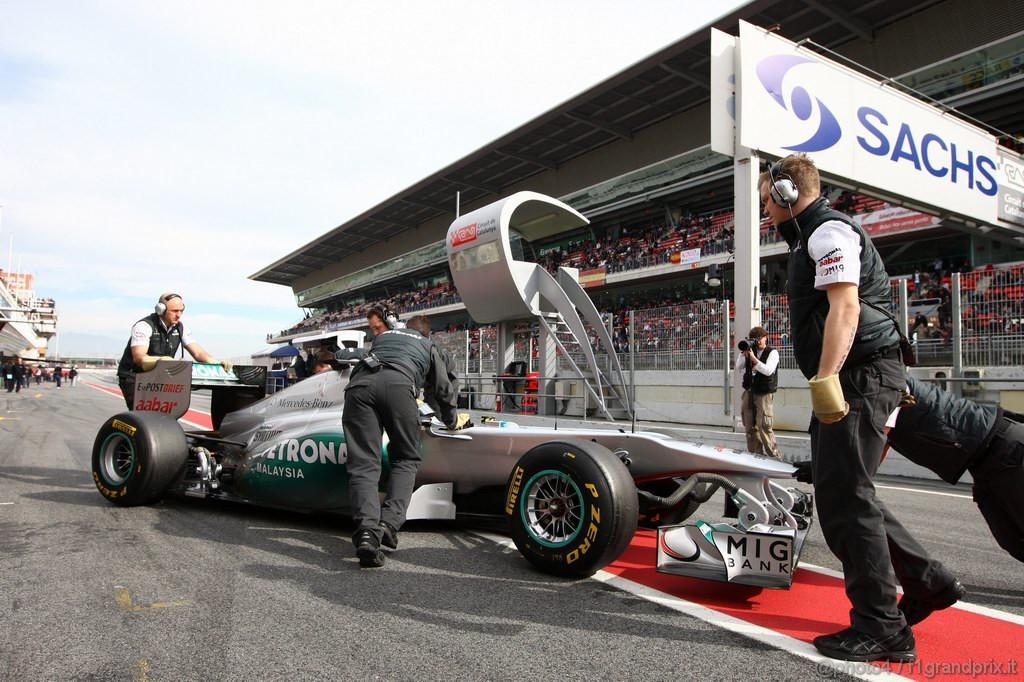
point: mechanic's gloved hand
(804, 474)
(149, 362)
(827, 399)
(227, 365)
(461, 422)
(907, 399)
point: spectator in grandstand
(920, 324)
(759, 364)
(158, 336)
(950, 435)
(847, 346)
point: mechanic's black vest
(808, 306)
(161, 342)
(405, 349)
(761, 383)
(942, 432)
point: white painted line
(6, 503)
(756, 632)
(924, 492)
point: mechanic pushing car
(950, 435)
(381, 395)
(158, 336)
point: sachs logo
(772, 71)
(464, 234)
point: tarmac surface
(195, 590)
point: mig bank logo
(819, 120)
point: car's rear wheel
(137, 455)
(572, 507)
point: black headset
(161, 305)
(389, 316)
(781, 187)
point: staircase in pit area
(604, 396)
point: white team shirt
(142, 332)
(835, 248)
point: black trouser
(127, 385)
(860, 531)
(375, 401)
(999, 485)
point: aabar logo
(464, 235)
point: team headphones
(389, 316)
(161, 304)
(781, 187)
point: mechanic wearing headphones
(849, 351)
(381, 396)
(157, 336)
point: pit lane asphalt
(192, 590)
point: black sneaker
(390, 539)
(851, 645)
(368, 550)
(916, 610)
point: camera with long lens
(746, 344)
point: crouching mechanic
(381, 396)
(950, 435)
(158, 336)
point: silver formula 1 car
(571, 498)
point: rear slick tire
(137, 456)
(571, 506)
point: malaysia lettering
(280, 472)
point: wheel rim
(117, 459)
(552, 508)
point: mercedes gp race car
(571, 498)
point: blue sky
(149, 147)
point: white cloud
(185, 145)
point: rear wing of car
(168, 387)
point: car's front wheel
(137, 455)
(572, 507)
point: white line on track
(923, 492)
(741, 627)
(4, 503)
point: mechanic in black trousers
(381, 396)
(848, 347)
(950, 435)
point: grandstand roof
(665, 84)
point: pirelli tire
(137, 456)
(571, 506)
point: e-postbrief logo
(772, 71)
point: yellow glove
(149, 362)
(827, 399)
(461, 422)
(227, 366)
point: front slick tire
(136, 456)
(572, 507)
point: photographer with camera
(759, 363)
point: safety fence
(974, 319)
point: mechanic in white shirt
(158, 336)
(848, 347)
